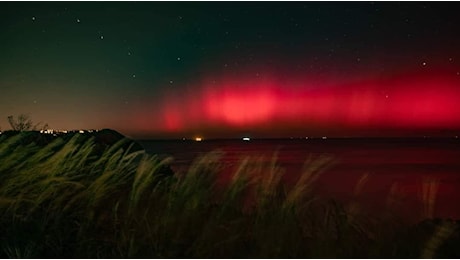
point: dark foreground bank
(74, 197)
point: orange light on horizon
(198, 139)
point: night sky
(231, 69)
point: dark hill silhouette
(103, 139)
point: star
(78, 20)
(134, 75)
(33, 18)
(178, 58)
(129, 53)
(102, 37)
(171, 82)
(423, 63)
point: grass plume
(68, 199)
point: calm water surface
(405, 166)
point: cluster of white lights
(48, 131)
(87, 131)
(52, 131)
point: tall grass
(68, 200)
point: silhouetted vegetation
(23, 122)
(75, 196)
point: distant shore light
(198, 139)
(246, 139)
